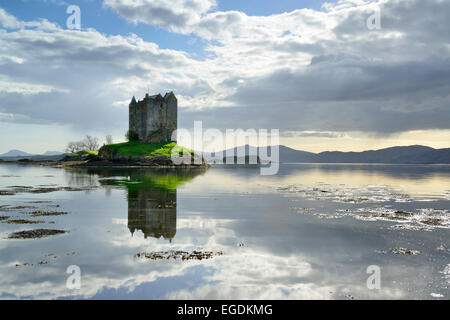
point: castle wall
(155, 118)
(137, 122)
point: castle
(154, 119)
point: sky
(325, 73)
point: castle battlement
(154, 118)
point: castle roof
(168, 95)
(154, 97)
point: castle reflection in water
(153, 212)
(151, 195)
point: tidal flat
(310, 232)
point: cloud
(61, 76)
(305, 70)
(8, 21)
(175, 15)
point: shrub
(132, 136)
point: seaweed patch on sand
(424, 219)
(182, 255)
(41, 201)
(35, 234)
(411, 227)
(348, 194)
(401, 251)
(28, 264)
(313, 212)
(9, 208)
(40, 213)
(40, 189)
(23, 221)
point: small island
(151, 142)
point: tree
(109, 139)
(79, 145)
(75, 146)
(91, 143)
(71, 147)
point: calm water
(308, 233)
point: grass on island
(148, 150)
(83, 154)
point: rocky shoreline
(157, 162)
(99, 162)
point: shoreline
(103, 164)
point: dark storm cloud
(334, 94)
(313, 116)
(328, 79)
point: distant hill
(409, 154)
(16, 153)
(52, 153)
(286, 153)
(247, 160)
(401, 155)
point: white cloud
(8, 21)
(23, 88)
(175, 15)
(305, 70)
(72, 73)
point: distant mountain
(286, 153)
(409, 154)
(52, 153)
(16, 153)
(405, 155)
(247, 160)
(292, 155)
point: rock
(93, 158)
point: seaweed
(35, 234)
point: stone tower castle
(154, 118)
